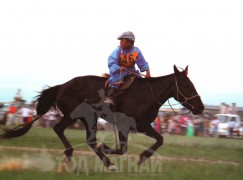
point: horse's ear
(176, 70)
(186, 71)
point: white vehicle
(224, 119)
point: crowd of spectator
(190, 125)
(17, 114)
(183, 125)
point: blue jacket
(114, 63)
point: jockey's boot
(111, 94)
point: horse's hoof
(61, 168)
(98, 146)
(112, 167)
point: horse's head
(186, 93)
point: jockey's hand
(122, 68)
(147, 74)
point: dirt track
(90, 153)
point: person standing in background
(51, 118)
(190, 127)
(24, 113)
(157, 124)
(206, 125)
(11, 113)
(183, 124)
(215, 124)
(231, 126)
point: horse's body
(137, 102)
(82, 98)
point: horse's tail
(45, 100)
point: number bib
(128, 60)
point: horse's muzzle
(198, 109)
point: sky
(48, 42)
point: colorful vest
(128, 60)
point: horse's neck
(162, 87)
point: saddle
(127, 82)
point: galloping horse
(81, 99)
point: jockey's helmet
(127, 35)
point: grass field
(182, 157)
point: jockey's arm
(147, 74)
(142, 64)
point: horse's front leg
(151, 132)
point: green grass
(172, 171)
(169, 170)
(228, 150)
(175, 146)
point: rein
(186, 99)
(131, 72)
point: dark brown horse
(82, 98)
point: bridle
(178, 91)
(186, 99)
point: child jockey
(123, 58)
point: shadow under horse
(82, 99)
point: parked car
(224, 119)
(241, 128)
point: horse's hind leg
(151, 132)
(123, 137)
(59, 129)
(91, 130)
